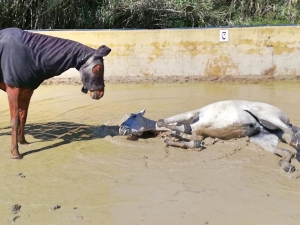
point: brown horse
(27, 59)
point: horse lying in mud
(27, 59)
(263, 123)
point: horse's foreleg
(183, 128)
(24, 101)
(180, 122)
(191, 137)
(13, 94)
(183, 118)
(184, 144)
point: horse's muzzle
(124, 130)
(96, 95)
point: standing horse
(27, 59)
(263, 123)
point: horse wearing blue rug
(27, 59)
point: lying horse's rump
(27, 59)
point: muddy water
(75, 161)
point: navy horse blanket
(27, 59)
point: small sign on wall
(223, 35)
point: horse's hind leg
(24, 100)
(295, 141)
(13, 95)
(290, 134)
(185, 140)
(269, 142)
(285, 161)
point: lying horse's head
(136, 124)
(92, 73)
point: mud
(77, 161)
(178, 79)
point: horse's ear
(102, 51)
(143, 111)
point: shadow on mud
(66, 132)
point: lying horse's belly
(237, 130)
(225, 121)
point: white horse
(265, 124)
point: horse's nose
(124, 130)
(96, 95)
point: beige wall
(249, 51)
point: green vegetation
(96, 14)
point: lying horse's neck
(152, 126)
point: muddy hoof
(295, 142)
(290, 169)
(286, 166)
(198, 144)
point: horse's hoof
(286, 166)
(16, 157)
(198, 144)
(290, 169)
(24, 142)
(295, 142)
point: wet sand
(78, 171)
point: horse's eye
(133, 116)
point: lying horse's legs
(181, 136)
(292, 138)
(13, 94)
(291, 134)
(295, 141)
(180, 122)
(24, 100)
(269, 142)
(183, 128)
(184, 144)
(285, 161)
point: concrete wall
(249, 51)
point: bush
(95, 14)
